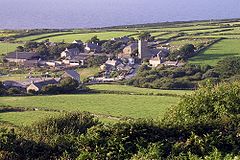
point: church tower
(142, 49)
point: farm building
(37, 86)
(14, 84)
(79, 42)
(21, 57)
(158, 59)
(92, 47)
(70, 52)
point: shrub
(68, 123)
(209, 103)
(228, 67)
(13, 91)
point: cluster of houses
(70, 57)
(36, 84)
(126, 62)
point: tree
(68, 85)
(51, 89)
(96, 61)
(94, 39)
(20, 49)
(187, 51)
(144, 36)
(29, 46)
(43, 51)
(13, 91)
(112, 47)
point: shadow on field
(212, 56)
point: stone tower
(142, 49)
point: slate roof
(22, 55)
(94, 46)
(72, 73)
(13, 84)
(133, 46)
(72, 50)
(40, 84)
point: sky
(99, 13)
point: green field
(7, 47)
(88, 72)
(86, 36)
(13, 77)
(108, 104)
(220, 50)
(25, 118)
(41, 36)
(130, 89)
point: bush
(68, 85)
(68, 123)
(228, 67)
(14, 91)
(209, 103)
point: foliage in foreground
(205, 125)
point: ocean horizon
(63, 14)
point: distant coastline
(168, 23)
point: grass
(25, 118)
(7, 47)
(13, 77)
(4, 34)
(107, 87)
(86, 36)
(220, 50)
(87, 72)
(108, 104)
(41, 36)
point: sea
(66, 14)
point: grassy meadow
(131, 89)
(7, 47)
(13, 77)
(42, 36)
(25, 118)
(220, 50)
(86, 36)
(108, 104)
(88, 72)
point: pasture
(133, 106)
(86, 36)
(220, 50)
(7, 47)
(26, 117)
(42, 36)
(136, 90)
(88, 72)
(13, 77)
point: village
(114, 66)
